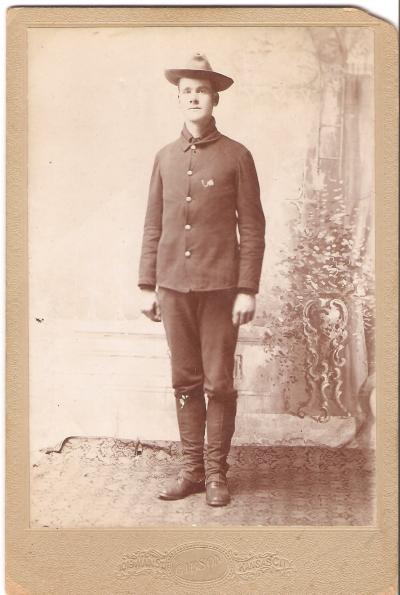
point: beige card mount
(91, 428)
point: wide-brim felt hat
(199, 67)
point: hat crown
(199, 61)
(198, 66)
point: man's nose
(194, 99)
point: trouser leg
(178, 312)
(218, 338)
(179, 316)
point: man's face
(196, 99)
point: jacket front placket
(189, 210)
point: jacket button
(189, 172)
(193, 147)
(188, 253)
(188, 226)
(188, 198)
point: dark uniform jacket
(202, 192)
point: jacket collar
(210, 134)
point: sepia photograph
(201, 301)
(201, 276)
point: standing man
(203, 190)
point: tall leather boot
(221, 414)
(191, 415)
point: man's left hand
(243, 308)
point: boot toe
(217, 494)
(180, 488)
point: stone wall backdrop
(99, 109)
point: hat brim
(220, 82)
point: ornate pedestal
(325, 322)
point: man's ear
(215, 99)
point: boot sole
(218, 503)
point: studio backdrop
(99, 110)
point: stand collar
(210, 134)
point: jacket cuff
(146, 286)
(246, 290)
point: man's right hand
(149, 305)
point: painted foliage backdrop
(99, 109)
